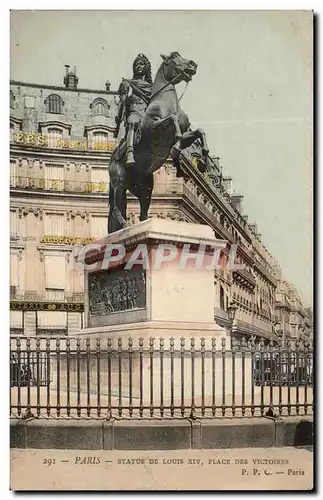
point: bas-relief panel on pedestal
(117, 290)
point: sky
(252, 94)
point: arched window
(54, 104)
(12, 99)
(54, 135)
(99, 107)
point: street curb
(172, 434)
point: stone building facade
(60, 144)
(293, 320)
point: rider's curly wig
(145, 60)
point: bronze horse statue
(165, 130)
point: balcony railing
(72, 186)
(40, 183)
(47, 296)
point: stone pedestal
(157, 288)
(160, 285)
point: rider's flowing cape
(141, 89)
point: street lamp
(231, 315)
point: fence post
(182, 376)
(130, 351)
(109, 348)
(233, 374)
(297, 376)
(244, 345)
(78, 376)
(120, 376)
(151, 355)
(58, 375)
(68, 382)
(252, 351)
(203, 375)
(98, 376)
(192, 415)
(171, 345)
(223, 345)
(88, 380)
(161, 361)
(213, 349)
(38, 376)
(141, 351)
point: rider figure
(132, 107)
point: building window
(54, 104)
(16, 322)
(54, 177)
(14, 231)
(55, 135)
(14, 272)
(99, 140)
(99, 225)
(55, 274)
(13, 173)
(12, 100)
(55, 225)
(100, 107)
(52, 322)
(99, 180)
(222, 299)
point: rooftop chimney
(253, 228)
(227, 182)
(107, 85)
(70, 78)
(216, 160)
(236, 201)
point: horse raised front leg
(171, 119)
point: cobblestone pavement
(239, 469)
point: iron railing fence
(164, 378)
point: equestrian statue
(155, 128)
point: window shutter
(54, 177)
(16, 319)
(100, 179)
(14, 270)
(99, 226)
(55, 225)
(14, 222)
(55, 272)
(51, 319)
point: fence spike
(161, 344)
